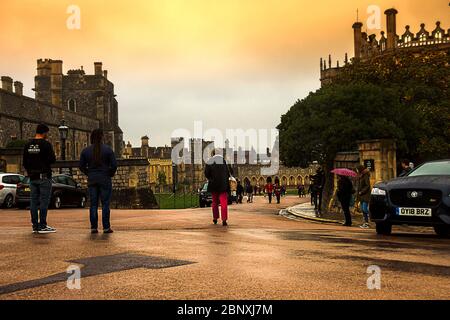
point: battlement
(368, 46)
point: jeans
(270, 197)
(223, 199)
(41, 191)
(345, 204)
(317, 200)
(103, 192)
(365, 210)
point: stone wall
(131, 189)
(19, 116)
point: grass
(179, 201)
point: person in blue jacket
(98, 162)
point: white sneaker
(365, 226)
(47, 229)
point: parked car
(8, 188)
(66, 192)
(205, 197)
(421, 198)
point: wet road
(181, 255)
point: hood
(419, 182)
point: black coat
(344, 190)
(218, 173)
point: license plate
(26, 189)
(415, 212)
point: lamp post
(63, 133)
(174, 177)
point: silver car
(8, 187)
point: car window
(71, 182)
(432, 169)
(205, 187)
(12, 179)
(60, 179)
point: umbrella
(344, 172)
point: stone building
(85, 102)
(368, 46)
(159, 163)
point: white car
(8, 187)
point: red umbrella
(344, 172)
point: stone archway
(292, 181)
(261, 182)
(299, 180)
(284, 181)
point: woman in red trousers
(218, 173)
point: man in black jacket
(38, 156)
(218, 173)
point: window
(11, 179)
(72, 105)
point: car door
(10, 183)
(74, 192)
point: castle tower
(145, 146)
(391, 25)
(357, 27)
(56, 77)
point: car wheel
(57, 202)
(83, 202)
(9, 201)
(384, 228)
(442, 230)
(202, 204)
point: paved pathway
(181, 255)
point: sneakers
(224, 223)
(108, 230)
(46, 229)
(365, 226)
(94, 231)
(215, 221)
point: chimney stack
(98, 68)
(391, 24)
(105, 74)
(357, 26)
(18, 88)
(7, 83)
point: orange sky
(176, 61)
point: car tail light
(1, 187)
(19, 186)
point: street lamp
(63, 133)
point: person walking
(344, 195)
(98, 162)
(249, 191)
(38, 156)
(317, 190)
(268, 189)
(240, 192)
(364, 191)
(218, 173)
(277, 190)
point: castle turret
(357, 27)
(7, 83)
(391, 25)
(56, 77)
(98, 68)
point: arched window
(72, 105)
